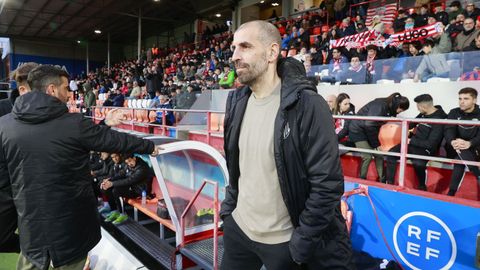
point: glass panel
(184, 172)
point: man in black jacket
(9, 241)
(425, 140)
(138, 178)
(465, 140)
(46, 150)
(282, 206)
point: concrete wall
(443, 93)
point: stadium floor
(8, 261)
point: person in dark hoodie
(138, 177)
(425, 140)
(57, 211)
(465, 140)
(365, 133)
(9, 241)
(282, 208)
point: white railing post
(403, 153)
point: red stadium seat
(317, 30)
(390, 135)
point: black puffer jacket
(138, 178)
(308, 166)
(6, 105)
(429, 136)
(361, 130)
(47, 153)
(468, 133)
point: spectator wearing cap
(471, 11)
(434, 63)
(455, 9)
(467, 36)
(399, 22)
(425, 140)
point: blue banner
(423, 233)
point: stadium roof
(77, 19)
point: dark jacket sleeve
(324, 174)
(231, 193)
(103, 139)
(136, 177)
(450, 131)
(475, 141)
(372, 128)
(434, 139)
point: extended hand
(115, 117)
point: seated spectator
(414, 60)
(455, 9)
(317, 56)
(374, 68)
(138, 178)
(409, 23)
(441, 15)
(331, 99)
(118, 99)
(337, 66)
(422, 17)
(101, 173)
(226, 82)
(433, 63)
(399, 22)
(136, 91)
(343, 107)
(190, 97)
(425, 141)
(162, 102)
(365, 133)
(467, 36)
(356, 73)
(471, 11)
(286, 41)
(465, 140)
(346, 29)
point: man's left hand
(115, 117)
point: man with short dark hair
(281, 208)
(46, 152)
(425, 140)
(465, 140)
(434, 64)
(138, 178)
(9, 241)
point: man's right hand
(115, 117)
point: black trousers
(9, 241)
(115, 194)
(244, 254)
(459, 169)
(419, 165)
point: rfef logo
(423, 241)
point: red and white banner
(387, 14)
(418, 33)
(354, 41)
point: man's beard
(253, 71)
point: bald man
(282, 207)
(331, 102)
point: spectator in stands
(136, 91)
(413, 61)
(343, 107)
(365, 133)
(272, 229)
(425, 140)
(303, 38)
(226, 82)
(465, 140)
(346, 29)
(331, 99)
(441, 15)
(337, 66)
(138, 178)
(356, 72)
(443, 43)
(399, 22)
(409, 23)
(89, 98)
(374, 68)
(422, 17)
(455, 9)
(64, 139)
(190, 97)
(467, 36)
(117, 171)
(377, 24)
(433, 64)
(317, 56)
(471, 11)
(9, 240)
(286, 41)
(118, 99)
(162, 102)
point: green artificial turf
(8, 261)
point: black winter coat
(429, 136)
(468, 133)
(46, 150)
(361, 130)
(138, 178)
(308, 166)
(6, 105)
